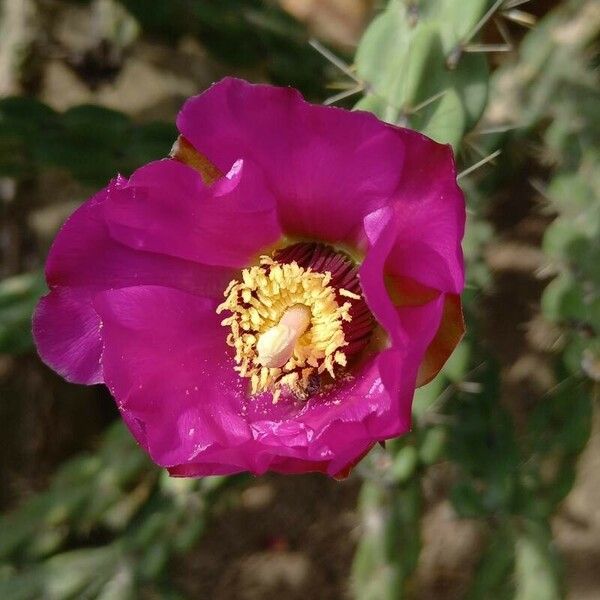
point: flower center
(291, 319)
(276, 345)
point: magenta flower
(270, 296)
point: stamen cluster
(259, 301)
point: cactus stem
(479, 164)
(333, 59)
(412, 13)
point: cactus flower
(268, 297)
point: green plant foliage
(492, 578)
(91, 142)
(418, 87)
(389, 547)
(404, 61)
(535, 568)
(243, 33)
(114, 494)
(458, 20)
(566, 91)
(18, 297)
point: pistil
(276, 345)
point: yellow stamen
(286, 326)
(349, 294)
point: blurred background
(496, 492)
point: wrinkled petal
(327, 167)
(66, 330)
(327, 435)
(412, 314)
(447, 337)
(337, 427)
(430, 216)
(84, 259)
(85, 254)
(393, 299)
(165, 362)
(166, 208)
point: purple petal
(430, 219)
(406, 325)
(137, 271)
(327, 434)
(166, 363)
(66, 330)
(166, 208)
(84, 254)
(409, 326)
(85, 259)
(327, 167)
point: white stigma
(276, 345)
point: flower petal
(327, 434)
(166, 208)
(328, 167)
(166, 363)
(430, 219)
(449, 334)
(84, 259)
(66, 330)
(85, 254)
(135, 275)
(413, 319)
